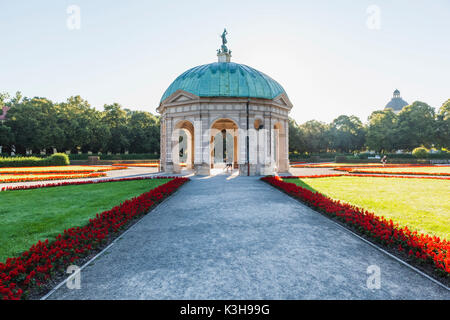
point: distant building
(2, 119)
(3, 115)
(396, 103)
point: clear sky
(332, 57)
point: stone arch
(257, 123)
(229, 129)
(183, 128)
(213, 120)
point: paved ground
(313, 171)
(238, 238)
(136, 172)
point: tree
(143, 132)
(116, 118)
(74, 125)
(315, 136)
(381, 131)
(416, 126)
(347, 134)
(5, 135)
(4, 96)
(78, 121)
(296, 141)
(443, 126)
(34, 125)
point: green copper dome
(225, 79)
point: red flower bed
(365, 175)
(60, 170)
(421, 247)
(44, 259)
(72, 183)
(357, 170)
(357, 165)
(316, 176)
(391, 176)
(51, 176)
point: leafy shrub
(420, 152)
(58, 159)
(308, 156)
(340, 159)
(131, 156)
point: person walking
(384, 160)
(228, 165)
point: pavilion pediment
(181, 96)
(283, 100)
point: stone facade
(3, 113)
(203, 118)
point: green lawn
(421, 204)
(27, 216)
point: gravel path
(228, 237)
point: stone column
(168, 145)
(190, 149)
(198, 142)
(162, 146)
(203, 167)
(283, 153)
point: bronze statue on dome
(224, 41)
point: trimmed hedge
(329, 155)
(420, 153)
(439, 155)
(57, 159)
(131, 156)
(390, 160)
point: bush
(57, 159)
(326, 155)
(340, 159)
(420, 153)
(131, 156)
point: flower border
(364, 175)
(44, 259)
(363, 171)
(52, 176)
(326, 165)
(71, 183)
(53, 169)
(422, 248)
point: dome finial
(224, 54)
(396, 93)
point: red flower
(430, 249)
(35, 266)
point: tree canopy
(415, 126)
(38, 123)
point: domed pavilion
(225, 113)
(396, 103)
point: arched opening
(183, 146)
(224, 144)
(258, 124)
